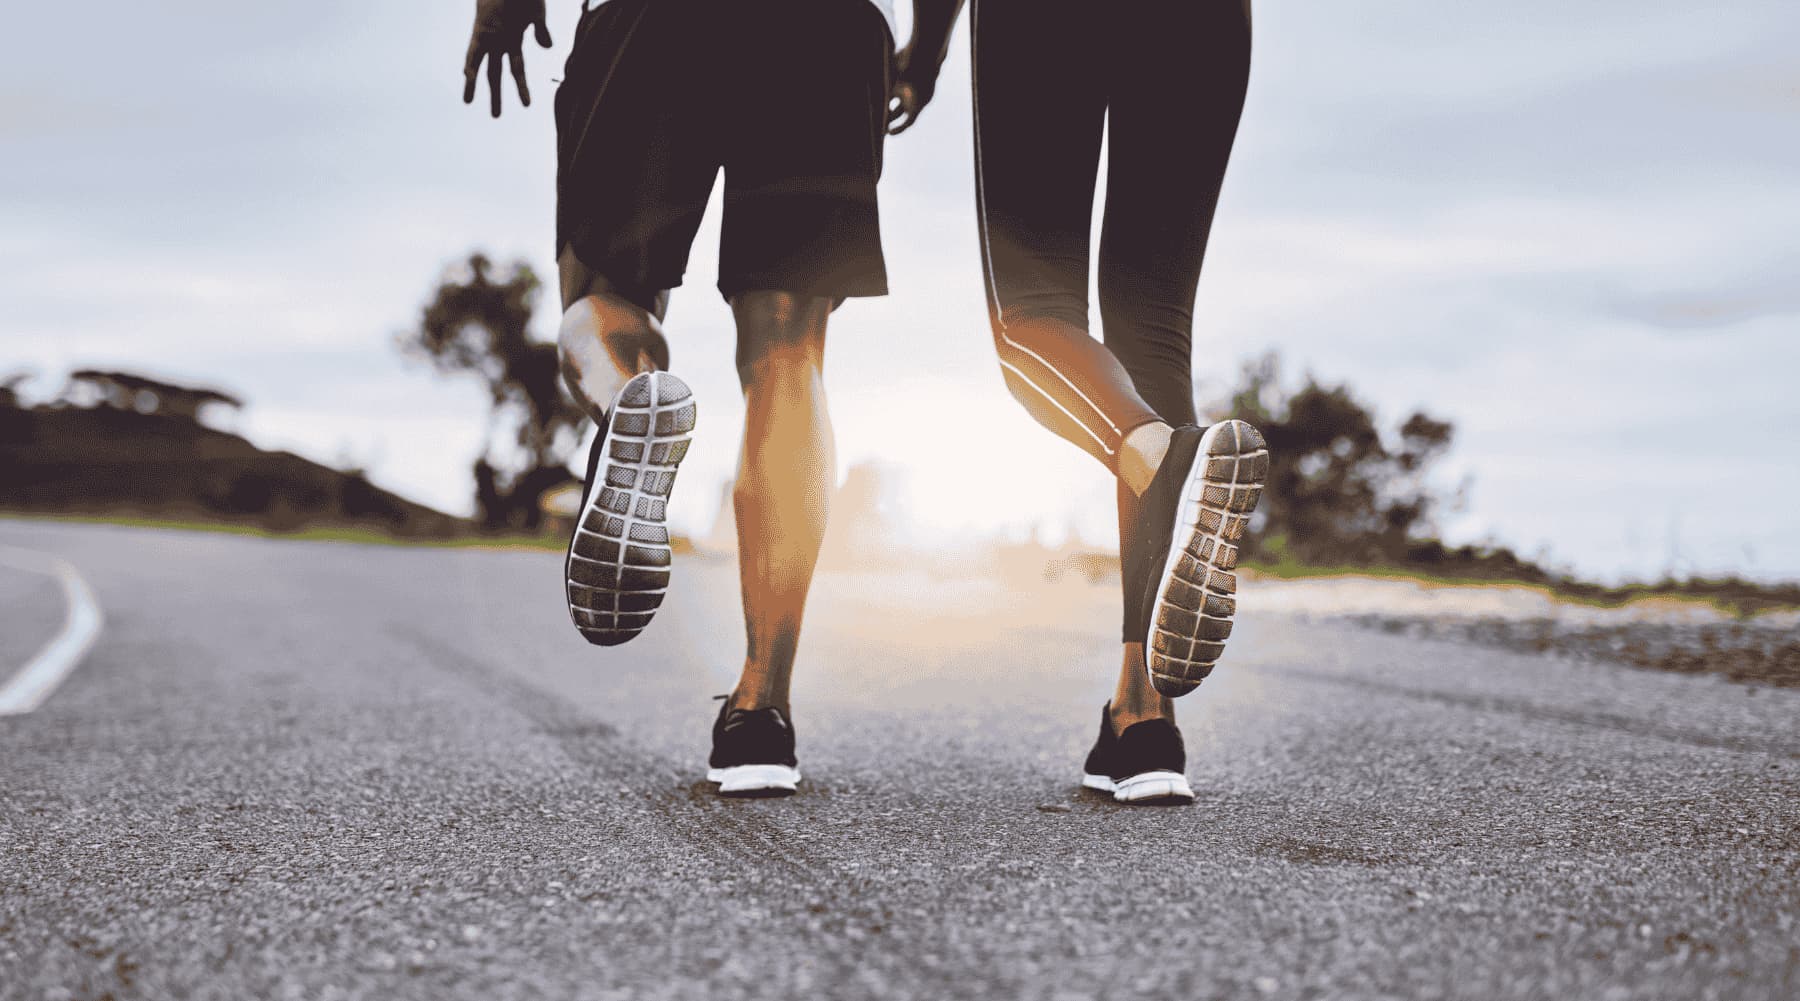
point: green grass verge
(1735, 597)
(1740, 598)
(359, 534)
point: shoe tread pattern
(619, 555)
(1197, 596)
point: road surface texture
(313, 770)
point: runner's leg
(800, 233)
(638, 151)
(1040, 106)
(786, 473)
(637, 154)
(1162, 188)
(1176, 83)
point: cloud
(1498, 213)
(1716, 309)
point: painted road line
(32, 684)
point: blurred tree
(1339, 492)
(478, 322)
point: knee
(779, 334)
(1028, 337)
(1040, 317)
(773, 309)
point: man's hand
(916, 66)
(500, 33)
(915, 81)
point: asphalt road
(310, 770)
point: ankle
(1129, 714)
(752, 699)
(1134, 699)
(1141, 455)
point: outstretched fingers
(471, 66)
(543, 30)
(493, 76)
(499, 36)
(516, 58)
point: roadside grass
(1742, 599)
(1736, 597)
(358, 534)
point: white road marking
(32, 684)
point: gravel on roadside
(1748, 651)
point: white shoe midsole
(1152, 785)
(1148, 785)
(749, 778)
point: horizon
(1562, 234)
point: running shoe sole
(755, 780)
(1157, 788)
(617, 569)
(1196, 596)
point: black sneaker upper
(751, 737)
(1146, 549)
(587, 482)
(1151, 746)
(594, 452)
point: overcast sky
(1571, 229)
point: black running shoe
(753, 753)
(1194, 513)
(1145, 765)
(617, 569)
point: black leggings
(1167, 77)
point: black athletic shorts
(788, 96)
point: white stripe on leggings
(987, 256)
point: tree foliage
(478, 322)
(1340, 490)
